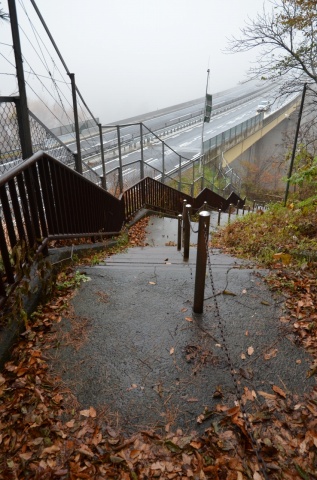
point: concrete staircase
(149, 360)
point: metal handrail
(42, 199)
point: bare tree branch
(286, 38)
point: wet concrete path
(150, 361)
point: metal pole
(219, 215)
(180, 174)
(295, 143)
(187, 231)
(230, 207)
(21, 104)
(183, 215)
(202, 133)
(179, 232)
(163, 164)
(102, 153)
(120, 160)
(201, 261)
(203, 179)
(78, 165)
(142, 153)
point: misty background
(128, 57)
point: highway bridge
(234, 127)
(164, 143)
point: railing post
(79, 167)
(142, 152)
(179, 232)
(163, 164)
(219, 216)
(187, 231)
(201, 261)
(120, 160)
(102, 154)
(203, 179)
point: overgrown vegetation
(286, 234)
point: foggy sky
(136, 56)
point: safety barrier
(42, 199)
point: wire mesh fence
(10, 145)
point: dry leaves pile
(45, 435)
(137, 233)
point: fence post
(201, 261)
(179, 232)
(103, 178)
(203, 179)
(187, 231)
(163, 164)
(79, 167)
(142, 152)
(21, 103)
(120, 160)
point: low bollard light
(179, 232)
(201, 261)
(219, 216)
(229, 216)
(186, 230)
(184, 213)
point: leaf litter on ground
(44, 432)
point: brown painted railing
(42, 200)
(155, 195)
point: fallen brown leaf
(279, 391)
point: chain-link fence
(10, 145)
(42, 138)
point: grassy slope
(279, 230)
